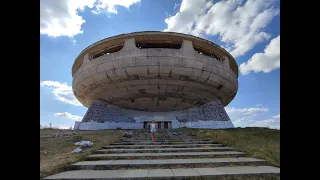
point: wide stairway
(174, 155)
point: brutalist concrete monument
(175, 79)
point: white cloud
(240, 26)
(62, 92)
(247, 117)
(175, 6)
(69, 116)
(277, 116)
(186, 16)
(73, 41)
(110, 5)
(61, 127)
(259, 105)
(61, 18)
(245, 111)
(264, 62)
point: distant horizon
(68, 128)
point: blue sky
(249, 30)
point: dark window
(204, 52)
(107, 51)
(159, 45)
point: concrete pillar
(225, 61)
(129, 44)
(76, 125)
(87, 57)
(187, 49)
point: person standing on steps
(153, 130)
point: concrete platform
(130, 163)
(166, 154)
(149, 138)
(165, 173)
(164, 145)
(199, 142)
(166, 149)
(176, 141)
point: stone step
(166, 149)
(133, 143)
(182, 139)
(165, 173)
(164, 145)
(161, 138)
(149, 137)
(163, 162)
(158, 140)
(166, 154)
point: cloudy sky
(249, 30)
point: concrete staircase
(174, 155)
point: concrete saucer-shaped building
(175, 79)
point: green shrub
(77, 138)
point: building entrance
(166, 125)
(159, 124)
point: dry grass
(261, 143)
(242, 177)
(55, 151)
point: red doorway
(158, 125)
(166, 125)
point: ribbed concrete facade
(154, 74)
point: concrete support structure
(154, 74)
(101, 115)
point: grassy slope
(55, 152)
(261, 143)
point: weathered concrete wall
(155, 79)
(209, 124)
(109, 125)
(76, 125)
(101, 115)
(175, 124)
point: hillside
(261, 143)
(56, 147)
